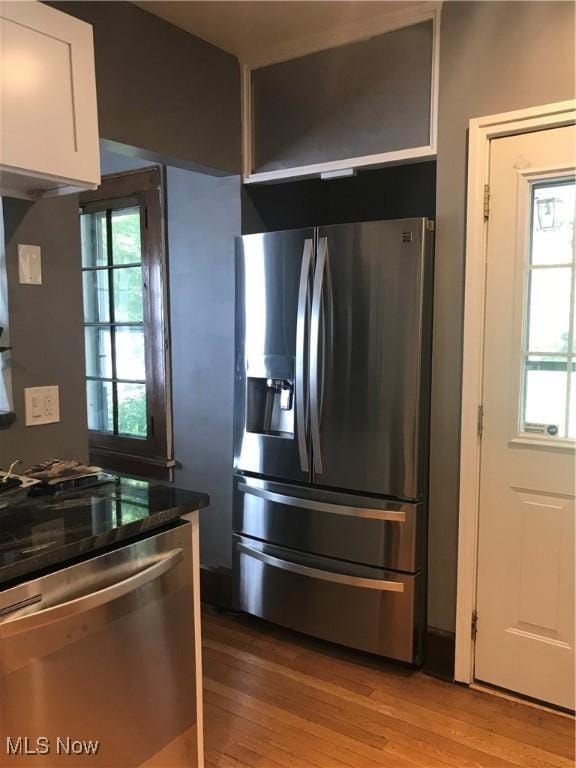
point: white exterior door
(525, 590)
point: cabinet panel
(33, 111)
(48, 99)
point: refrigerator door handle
(314, 352)
(317, 573)
(300, 354)
(391, 515)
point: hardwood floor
(274, 698)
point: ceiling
(260, 31)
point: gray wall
(494, 57)
(395, 192)
(162, 89)
(46, 329)
(111, 162)
(203, 218)
(359, 99)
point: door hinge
(486, 202)
(480, 420)
(474, 624)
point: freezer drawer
(365, 608)
(360, 529)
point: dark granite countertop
(41, 532)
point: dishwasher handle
(14, 626)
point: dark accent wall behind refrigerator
(387, 193)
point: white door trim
(482, 131)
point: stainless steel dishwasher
(103, 652)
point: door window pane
(545, 396)
(98, 352)
(549, 396)
(96, 296)
(549, 310)
(553, 223)
(100, 406)
(93, 232)
(132, 409)
(130, 362)
(126, 241)
(572, 412)
(128, 305)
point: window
(7, 415)
(123, 274)
(549, 355)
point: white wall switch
(30, 264)
(42, 405)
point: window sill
(533, 441)
(143, 466)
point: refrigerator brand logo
(24, 745)
(406, 237)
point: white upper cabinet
(48, 115)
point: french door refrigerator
(333, 336)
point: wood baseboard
(216, 586)
(439, 653)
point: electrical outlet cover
(30, 264)
(42, 405)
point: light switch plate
(30, 264)
(42, 405)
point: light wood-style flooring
(275, 698)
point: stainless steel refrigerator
(332, 379)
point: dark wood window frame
(151, 456)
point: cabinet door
(48, 89)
